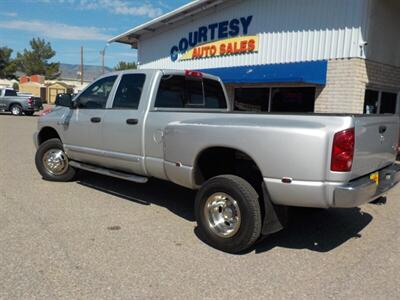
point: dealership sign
(232, 46)
(213, 32)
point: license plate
(375, 177)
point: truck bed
(295, 146)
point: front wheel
(52, 163)
(228, 213)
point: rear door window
(176, 91)
(10, 93)
(129, 91)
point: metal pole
(103, 53)
(81, 65)
(102, 61)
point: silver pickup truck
(178, 126)
(10, 101)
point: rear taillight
(30, 101)
(343, 151)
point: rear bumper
(364, 190)
(34, 108)
(325, 194)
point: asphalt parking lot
(100, 237)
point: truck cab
(107, 122)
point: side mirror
(64, 100)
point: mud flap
(275, 216)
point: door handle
(132, 121)
(95, 120)
(382, 129)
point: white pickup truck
(178, 126)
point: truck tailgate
(37, 102)
(376, 139)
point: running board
(108, 172)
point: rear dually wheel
(228, 213)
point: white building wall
(289, 31)
(384, 32)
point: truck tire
(16, 109)
(228, 213)
(52, 163)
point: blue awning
(303, 72)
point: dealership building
(324, 56)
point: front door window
(96, 95)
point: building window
(283, 99)
(252, 99)
(371, 102)
(388, 103)
(293, 99)
(379, 102)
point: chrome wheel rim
(222, 214)
(55, 161)
(15, 110)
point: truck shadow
(314, 229)
(6, 113)
(317, 229)
(176, 199)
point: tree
(123, 65)
(7, 64)
(15, 86)
(35, 61)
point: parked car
(17, 105)
(178, 126)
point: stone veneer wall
(347, 80)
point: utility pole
(81, 65)
(103, 53)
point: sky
(70, 24)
